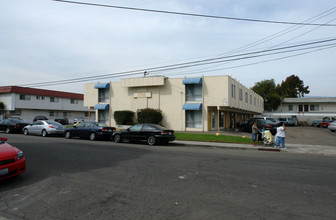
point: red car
(12, 160)
(326, 123)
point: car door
(133, 132)
(86, 130)
(77, 130)
(39, 127)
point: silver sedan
(44, 128)
(332, 126)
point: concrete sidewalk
(291, 148)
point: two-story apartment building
(306, 109)
(187, 104)
(27, 103)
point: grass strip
(212, 138)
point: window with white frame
(240, 94)
(24, 97)
(314, 107)
(74, 101)
(54, 99)
(251, 99)
(246, 97)
(193, 119)
(194, 92)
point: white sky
(45, 40)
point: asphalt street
(81, 179)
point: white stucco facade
(223, 102)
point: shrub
(148, 115)
(124, 117)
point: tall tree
(292, 87)
(267, 89)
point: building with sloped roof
(27, 103)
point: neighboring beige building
(187, 104)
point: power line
(231, 58)
(195, 15)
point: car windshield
(269, 122)
(271, 119)
(290, 119)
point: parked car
(62, 120)
(44, 128)
(91, 130)
(12, 125)
(332, 126)
(12, 160)
(261, 123)
(326, 123)
(317, 122)
(40, 117)
(151, 133)
(287, 121)
(78, 119)
(277, 122)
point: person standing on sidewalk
(280, 136)
(254, 133)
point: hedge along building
(187, 104)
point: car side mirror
(4, 139)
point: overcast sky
(45, 40)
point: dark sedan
(261, 123)
(12, 125)
(62, 120)
(151, 133)
(91, 130)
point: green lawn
(213, 138)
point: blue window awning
(192, 81)
(192, 106)
(102, 86)
(102, 106)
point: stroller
(267, 138)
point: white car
(332, 126)
(44, 128)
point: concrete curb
(291, 148)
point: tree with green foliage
(267, 90)
(292, 87)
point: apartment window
(246, 97)
(194, 92)
(300, 108)
(86, 114)
(314, 107)
(193, 119)
(306, 108)
(74, 101)
(251, 99)
(292, 107)
(240, 94)
(38, 97)
(255, 101)
(51, 114)
(65, 114)
(54, 99)
(24, 97)
(104, 95)
(233, 91)
(103, 116)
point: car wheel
(25, 132)
(44, 133)
(92, 136)
(67, 135)
(117, 138)
(8, 130)
(151, 140)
